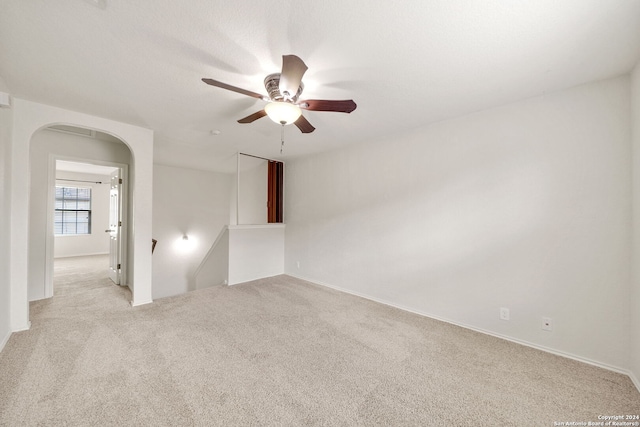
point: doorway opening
(88, 225)
(78, 203)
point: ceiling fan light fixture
(282, 112)
(284, 90)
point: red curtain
(275, 185)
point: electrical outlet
(547, 324)
(504, 313)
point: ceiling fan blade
(304, 125)
(345, 106)
(232, 88)
(253, 117)
(293, 68)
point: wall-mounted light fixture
(184, 244)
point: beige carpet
(278, 351)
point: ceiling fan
(284, 89)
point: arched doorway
(28, 118)
(70, 160)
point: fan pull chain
(281, 138)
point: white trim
(49, 238)
(4, 341)
(482, 331)
(238, 188)
(137, 304)
(25, 328)
(634, 380)
(247, 226)
(77, 255)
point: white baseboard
(4, 341)
(77, 255)
(634, 380)
(23, 328)
(138, 304)
(482, 331)
(6, 338)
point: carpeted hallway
(277, 351)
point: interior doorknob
(108, 231)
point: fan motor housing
(272, 85)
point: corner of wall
(6, 119)
(4, 340)
(634, 299)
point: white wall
(97, 242)
(525, 206)
(253, 190)
(44, 145)
(5, 214)
(634, 300)
(185, 201)
(255, 252)
(214, 268)
(28, 117)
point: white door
(115, 227)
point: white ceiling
(404, 63)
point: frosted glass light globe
(283, 113)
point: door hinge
(120, 223)
(119, 266)
(120, 181)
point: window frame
(77, 211)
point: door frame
(119, 174)
(50, 237)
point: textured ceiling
(404, 63)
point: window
(73, 211)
